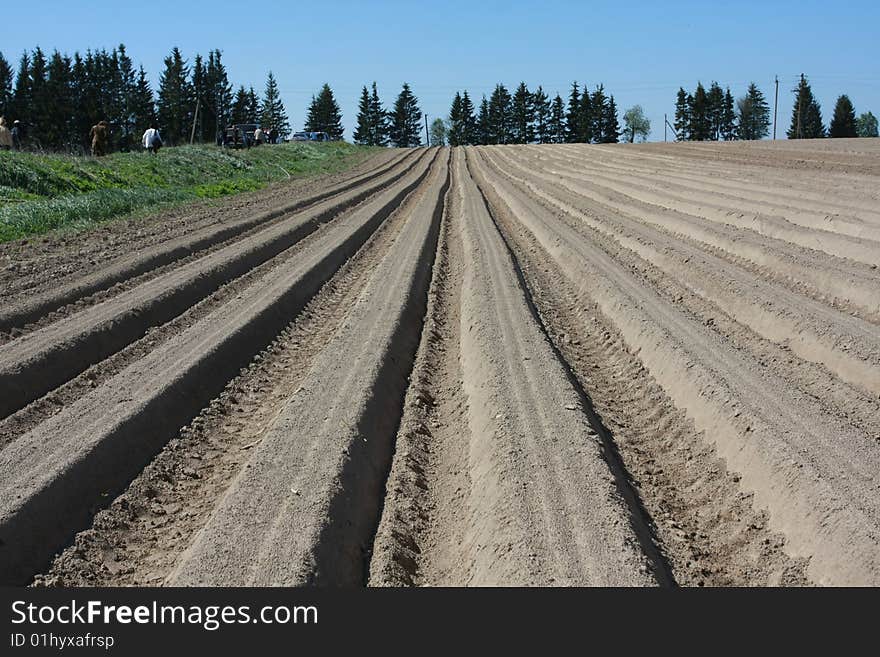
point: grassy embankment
(39, 193)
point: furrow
(817, 479)
(306, 508)
(55, 475)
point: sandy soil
(542, 365)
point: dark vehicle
(240, 135)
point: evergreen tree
(406, 120)
(682, 115)
(715, 110)
(585, 119)
(253, 106)
(557, 121)
(456, 131)
(363, 133)
(806, 115)
(129, 131)
(273, 115)
(468, 119)
(599, 111)
(199, 80)
(573, 115)
(483, 125)
(324, 115)
(143, 107)
(753, 114)
(175, 101)
(610, 125)
(217, 96)
(522, 116)
(700, 128)
(240, 106)
(843, 123)
(378, 119)
(21, 95)
(541, 105)
(5, 88)
(866, 125)
(500, 116)
(728, 117)
(57, 130)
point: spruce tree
(272, 113)
(700, 128)
(363, 133)
(253, 106)
(175, 100)
(406, 120)
(754, 114)
(483, 126)
(682, 115)
(5, 88)
(455, 134)
(599, 112)
(57, 129)
(573, 115)
(378, 119)
(585, 120)
(843, 123)
(728, 117)
(541, 105)
(21, 95)
(240, 106)
(522, 116)
(198, 88)
(715, 110)
(468, 119)
(806, 115)
(500, 116)
(324, 115)
(217, 96)
(557, 121)
(611, 125)
(143, 105)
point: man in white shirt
(152, 140)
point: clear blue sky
(641, 50)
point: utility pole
(192, 133)
(427, 136)
(664, 127)
(775, 107)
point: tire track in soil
(813, 475)
(505, 501)
(848, 404)
(709, 532)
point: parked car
(300, 136)
(240, 135)
(319, 136)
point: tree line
(528, 117)
(58, 98)
(712, 115)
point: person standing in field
(16, 135)
(98, 136)
(5, 135)
(152, 140)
